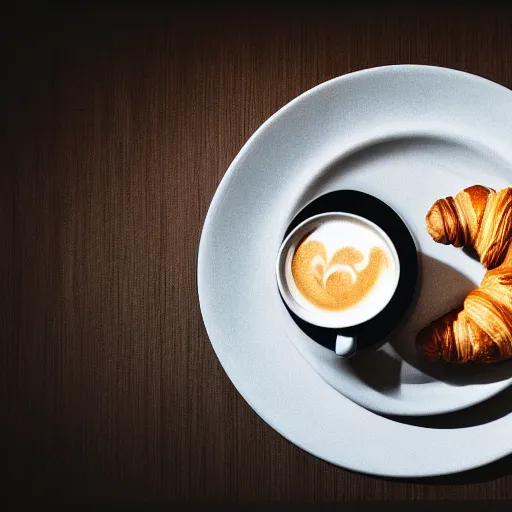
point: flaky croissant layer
(477, 217)
(481, 329)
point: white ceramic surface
(408, 135)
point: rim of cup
(329, 319)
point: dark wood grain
(117, 130)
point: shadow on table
(487, 473)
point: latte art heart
(335, 284)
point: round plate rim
(238, 382)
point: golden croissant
(481, 329)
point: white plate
(407, 134)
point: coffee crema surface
(342, 265)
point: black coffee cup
(344, 339)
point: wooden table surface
(118, 128)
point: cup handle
(346, 346)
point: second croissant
(480, 330)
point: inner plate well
(409, 173)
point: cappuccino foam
(342, 266)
